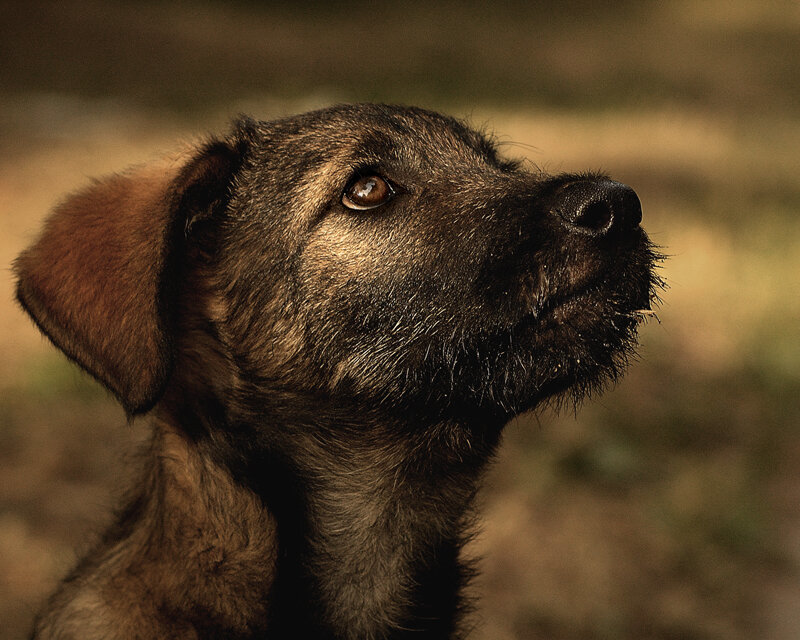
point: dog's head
(375, 253)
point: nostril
(595, 207)
(630, 205)
(594, 216)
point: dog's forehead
(369, 133)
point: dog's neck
(369, 521)
(329, 529)
(383, 512)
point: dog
(330, 318)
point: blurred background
(669, 508)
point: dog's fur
(326, 384)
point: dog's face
(392, 255)
(377, 254)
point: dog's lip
(557, 306)
(541, 297)
(548, 303)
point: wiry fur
(327, 385)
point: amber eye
(367, 192)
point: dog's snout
(596, 207)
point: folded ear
(100, 281)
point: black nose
(594, 207)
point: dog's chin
(571, 348)
(489, 378)
(497, 363)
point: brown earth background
(667, 509)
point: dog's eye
(367, 192)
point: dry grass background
(667, 509)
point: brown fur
(167, 577)
(123, 221)
(326, 384)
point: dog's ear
(101, 279)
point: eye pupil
(367, 193)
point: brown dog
(330, 318)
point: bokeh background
(667, 509)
